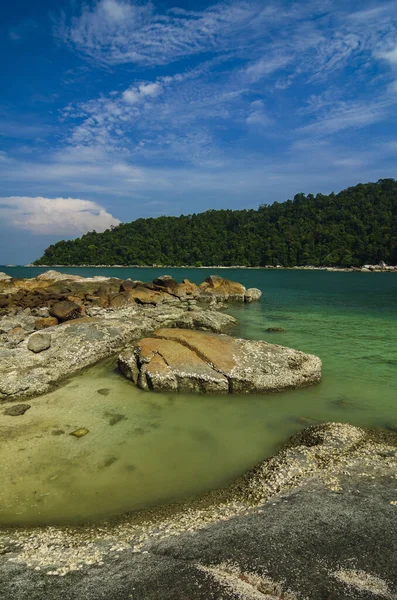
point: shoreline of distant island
(380, 268)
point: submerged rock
(17, 410)
(81, 432)
(276, 329)
(194, 361)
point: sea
(146, 449)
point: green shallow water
(144, 449)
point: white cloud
(58, 216)
(389, 55)
(125, 31)
(137, 94)
(265, 66)
(257, 115)
(344, 115)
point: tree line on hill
(351, 228)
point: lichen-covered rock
(39, 342)
(74, 345)
(183, 360)
(252, 295)
(205, 320)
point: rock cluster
(65, 297)
(195, 361)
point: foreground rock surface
(315, 522)
(195, 361)
(41, 360)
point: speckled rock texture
(317, 521)
(195, 361)
(40, 360)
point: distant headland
(354, 229)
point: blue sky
(119, 109)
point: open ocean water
(145, 449)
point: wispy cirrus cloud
(121, 31)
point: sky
(112, 110)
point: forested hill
(355, 227)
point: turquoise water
(143, 449)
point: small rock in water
(104, 391)
(39, 342)
(110, 461)
(17, 410)
(81, 432)
(392, 427)
(276, 329)
(114, 417)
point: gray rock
(6, 324)
(17, 410)
(196, 361)
(74, 345)
(205, 320)
(252, 295)
(39, 342)
(5, 277)
(300, 525)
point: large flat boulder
(186, 361)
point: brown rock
(65, 310)
(165, 282)
(143, 295)
(45, 322)
(120, 300)
(222, 289)
(16, 335)
(81, 432)
(128, 285)
(75, 299)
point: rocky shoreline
(316, 521)
(303, 524)
(55, 325)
